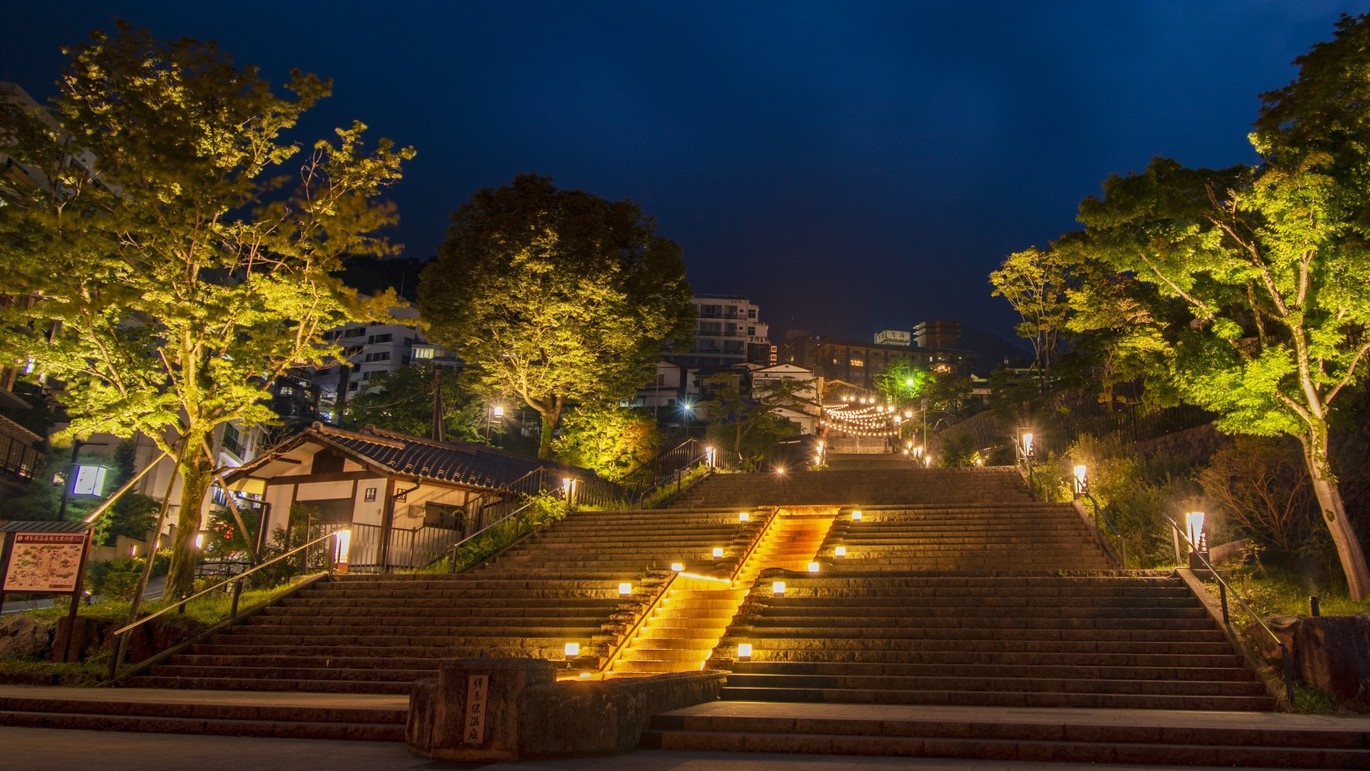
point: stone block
(471, 710)
(84, 635)
(1330, 653)
(607, 716)
(23, 637)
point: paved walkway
(40, 749)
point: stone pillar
(471, 711)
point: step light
(718, 551)
(744, 517)
(813, 567)
(677, 566)
(744, 651)
(778, 587)
(625, 589)
(840, 551)
(856, 516)
(572, 650)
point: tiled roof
(22, 526)
(455, 463)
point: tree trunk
(550, 417)
(1334, 515)
(195, 474)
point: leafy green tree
(949, 393)
(749, 421)
(610, 441)
(555, 296)
(182, 245)
(402, 400)
(1035, 282)
(902, 381)
(1266, 268)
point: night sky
(850, 166)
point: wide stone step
(344, 674)
(806, 648)
(1114, 671)
(854, 619)
(1030, 683)
(328, 685)
(971, 734)
(871, 662)
(1003, 698)
(878, 637)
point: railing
(237, 588)
(451, 551)
(406, 548)
(583, 491)
(1025, 461)
(647, 612)
(668, 469)
(1225, 589)
(1099, 516)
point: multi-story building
(370, 349)
(727, 332)
(858, 364)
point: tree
(555, 296)
(402, 400)
(1262, 487)
(901, 382)
(1265, 269)
(610, 441)
(1034, 282)
(182, 251)
(749, 421)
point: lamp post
(1198, 540)
(496, 414)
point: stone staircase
(1063, 738)
(993, 640)
(683, 629)
(378, 634)
(1000, 605)
(904, 486)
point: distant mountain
(991, 350)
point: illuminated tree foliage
(610, 441)
(555, 296)
(402, 400)
(182, 245)
(900, 382)
(1252, 285)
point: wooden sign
(45, 562)
(477, 697)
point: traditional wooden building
(406, 499)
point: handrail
(452, 550)
(617, 652)
(1224, 588)
(674, 477)
(755, 543)
(237, 578)
(1098, 515)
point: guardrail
(1099, 516)
(119, 635)
(1225, 589)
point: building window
(382, 356)
(233, 441)
(710, 328)
(355, 332)
(385, 338)
(858, 362)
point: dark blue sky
(850, 166)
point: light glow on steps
(682, 628)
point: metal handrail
(452, 550)
(675, 477)
(1098, 515)
(754, 544)
(618, 650)
(221, 584)
(1223, 589)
